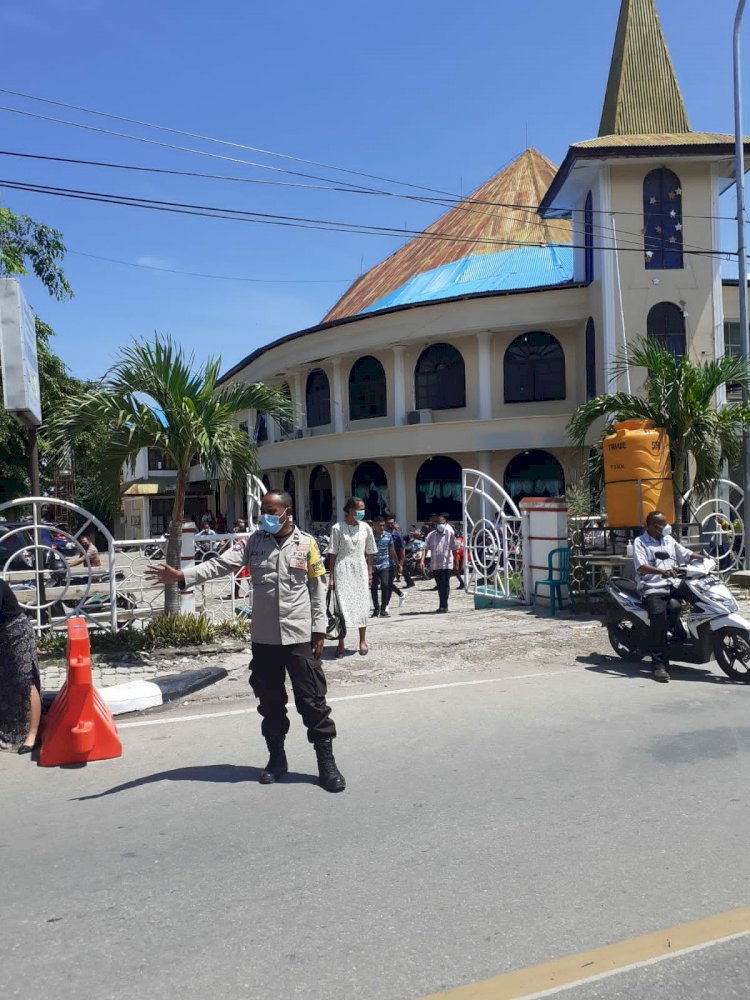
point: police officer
(289, 623)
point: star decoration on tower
(672, 195)
(672, 239)
(673, 214)
(678, 191)
(678, 227)
(659, 229)
(652, 201)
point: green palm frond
(157, 396)
(679, 395)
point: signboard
(18, 355)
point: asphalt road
(487, 827)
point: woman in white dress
(350, 570)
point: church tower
(643, 197)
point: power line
(446, 197)
(264, 218)
(216, 277)
(605, 231)
(222, 142)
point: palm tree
(155, 396)
(680, 396)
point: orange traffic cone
(78, 727)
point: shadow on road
(218, 773)
(613, 666)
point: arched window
(534, 474)
(286, 427)
(534, 369)
(260, 434)
(321, 495)
(318, 399)
(266, 482)
(367, 389)
(439, 488)
(588, 237)
(370, 484)
(590, 359)
(666, 325)
(440, 378)
(662, 220)
(289, 487)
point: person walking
(20, 699)
(288, 631)
(351, 552)
(441, 544)
(385, 560)
(399, 546)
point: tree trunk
(174, 543)
(678, 481)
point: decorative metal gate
(34, 559)
(717, 523)
(493, 539)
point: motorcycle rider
(655, 557)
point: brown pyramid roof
(523, 182)
(643, 96)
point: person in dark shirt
(20, 699)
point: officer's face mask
(272, 523)
(666, 531)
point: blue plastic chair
(556, 584)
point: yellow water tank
(637, 473)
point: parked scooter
(714, 628)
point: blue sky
(436, 93)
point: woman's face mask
(440, 528)
(359, 515)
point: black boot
(330, 777)
(277, 766)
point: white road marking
(347, 697)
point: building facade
(472, 345)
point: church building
(473, 344)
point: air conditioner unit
(419, 417)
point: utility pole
(33, 455)
(741, 251)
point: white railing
(219, 600)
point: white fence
(36, 557)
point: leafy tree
(680, 396)
(25, 243)
(156, 396)
(93, 490)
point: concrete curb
(136, 696)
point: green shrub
(159, 633)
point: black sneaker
(660, 674)
(384, 614)
(375, 614)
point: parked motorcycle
(714, 627)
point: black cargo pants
(268, 670)
(663, 612)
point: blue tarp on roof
(506, 271)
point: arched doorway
(534, 474)
(439, 488)
(321, 495)
(370, 484)
(289, 487)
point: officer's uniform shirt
(645, 548)
(289, 586)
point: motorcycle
(714, 628)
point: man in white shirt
(655, 557)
